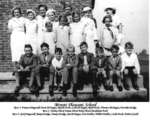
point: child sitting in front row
(100, 66)
(114, 64)
(58, 72)
(130, 66)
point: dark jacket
(90, 60)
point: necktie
(111, 32)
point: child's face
(62, 21)
(109, 12)
(88, 14)
(30, 16)
(84, 48)
(51, 16)
(58, 55)
(42, 11)
(49, 27)
(70, 51)
(16, 13)
(99, 53)
(107, 22)
(28, 51)
(129, 51)
(45, 50)
(76, 18)
(114, 52)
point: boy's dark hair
(129, 45)
(42, 6)
(101, 49)
(83, 43)
(16, 8)
(112, 9)
(28, 46)
(105, 17)
(58, 50)
(44, 45)
(115, 47)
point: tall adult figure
(41, 24)
(16, 26)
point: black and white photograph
(74, 51)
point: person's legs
(75, 77)
(94, 82)
(126, 79)
(134, 78)
(80, 82)
(20, 77)
(119, 84)
(65, 73)
(51, 80)
(111, 74)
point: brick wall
(5, 15)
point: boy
(58, 72)
(44, 63)
(85, 72)
(114, 64)
(71, 61)
(108, 35)
(100, 66)
(130, 66)
(25, 68)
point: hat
(32, 11)
(85, 9)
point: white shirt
(129, 61)
(57, 63)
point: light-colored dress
(90, 33)
(76, 35)
(50, 39)
(63, 37)
(17, 38)
(41, 30)
(31, 34)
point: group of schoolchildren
(69, 52)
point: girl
(89, 30)
(41, 24)
(16, 26)
(31, 29)
(51, 16)
(76, 29)
(63, 33)
(50, 36)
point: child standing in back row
(63, 33)
(49, 36)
